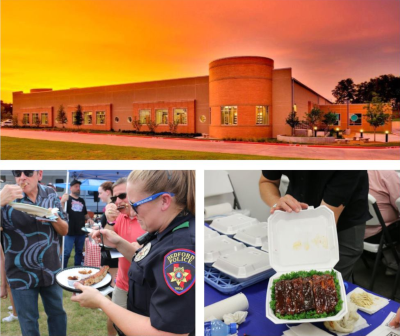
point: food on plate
(302, 295)
(347, 323)
(362, 299)
(73, 277)
(95, 278)
(85, 271)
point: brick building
(241, 97)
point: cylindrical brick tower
(241, 97)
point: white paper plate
(34, 210)
(379, 302)
(62, 278)
(337, 317)
(255, 235)
(220, 246)
(243, 264)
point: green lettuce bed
(311, 314)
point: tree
(344, 90)
(376, 114)
(173, 126)
(136, 124)
(313, 117)
(37, 121)
(152, 125)
(330, 119)
(292, 120)
(15, 120)
(62, 116)
(78, 120)
(25, 120)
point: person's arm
(64, 199)
(129, 322)
(3, 291)
(61, 226)
(270, 194)
(112, 239)
(336, 210)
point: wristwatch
(111, 224)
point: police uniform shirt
(161, 283)
(348, 188)
(31, 247)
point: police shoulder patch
(179, 270)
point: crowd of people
(153, 281)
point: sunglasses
(120, 196)
(27, 173)
(148, 199)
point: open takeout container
(220, 246)
(303, 241)
(244, 264)
(255, 235)
(231, 225)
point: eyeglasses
(27, 173)
(120, 196)
(148, 199)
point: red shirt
(130, 230)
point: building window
(45, 118)
(229, 115)
(25, 118)
(129, 120)
(100, 117)
(180, 116)
(144, 117)
(35, 118)
(337, 123)
(87, 118)
(262, 115)
(355, 119)
(74, 118)
(162, 116)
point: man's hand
(111, 212)
(90, 221)
(110, 238)
(395, 323)
(289, 204)
(10, 193)
(3, 291)
(64, 198)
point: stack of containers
(303, 241)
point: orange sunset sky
(61, 44)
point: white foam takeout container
(255, 235)
(231, 225)
(208, 233)
(303, 241)
(243, 264)
(220, 246)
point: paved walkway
(278, 150)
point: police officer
(161, 295)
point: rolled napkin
(239, 317)
(230, 305)
(218, 209)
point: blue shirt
(31, 247)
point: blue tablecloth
(258, 324)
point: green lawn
(29, 149)
(81, 321)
